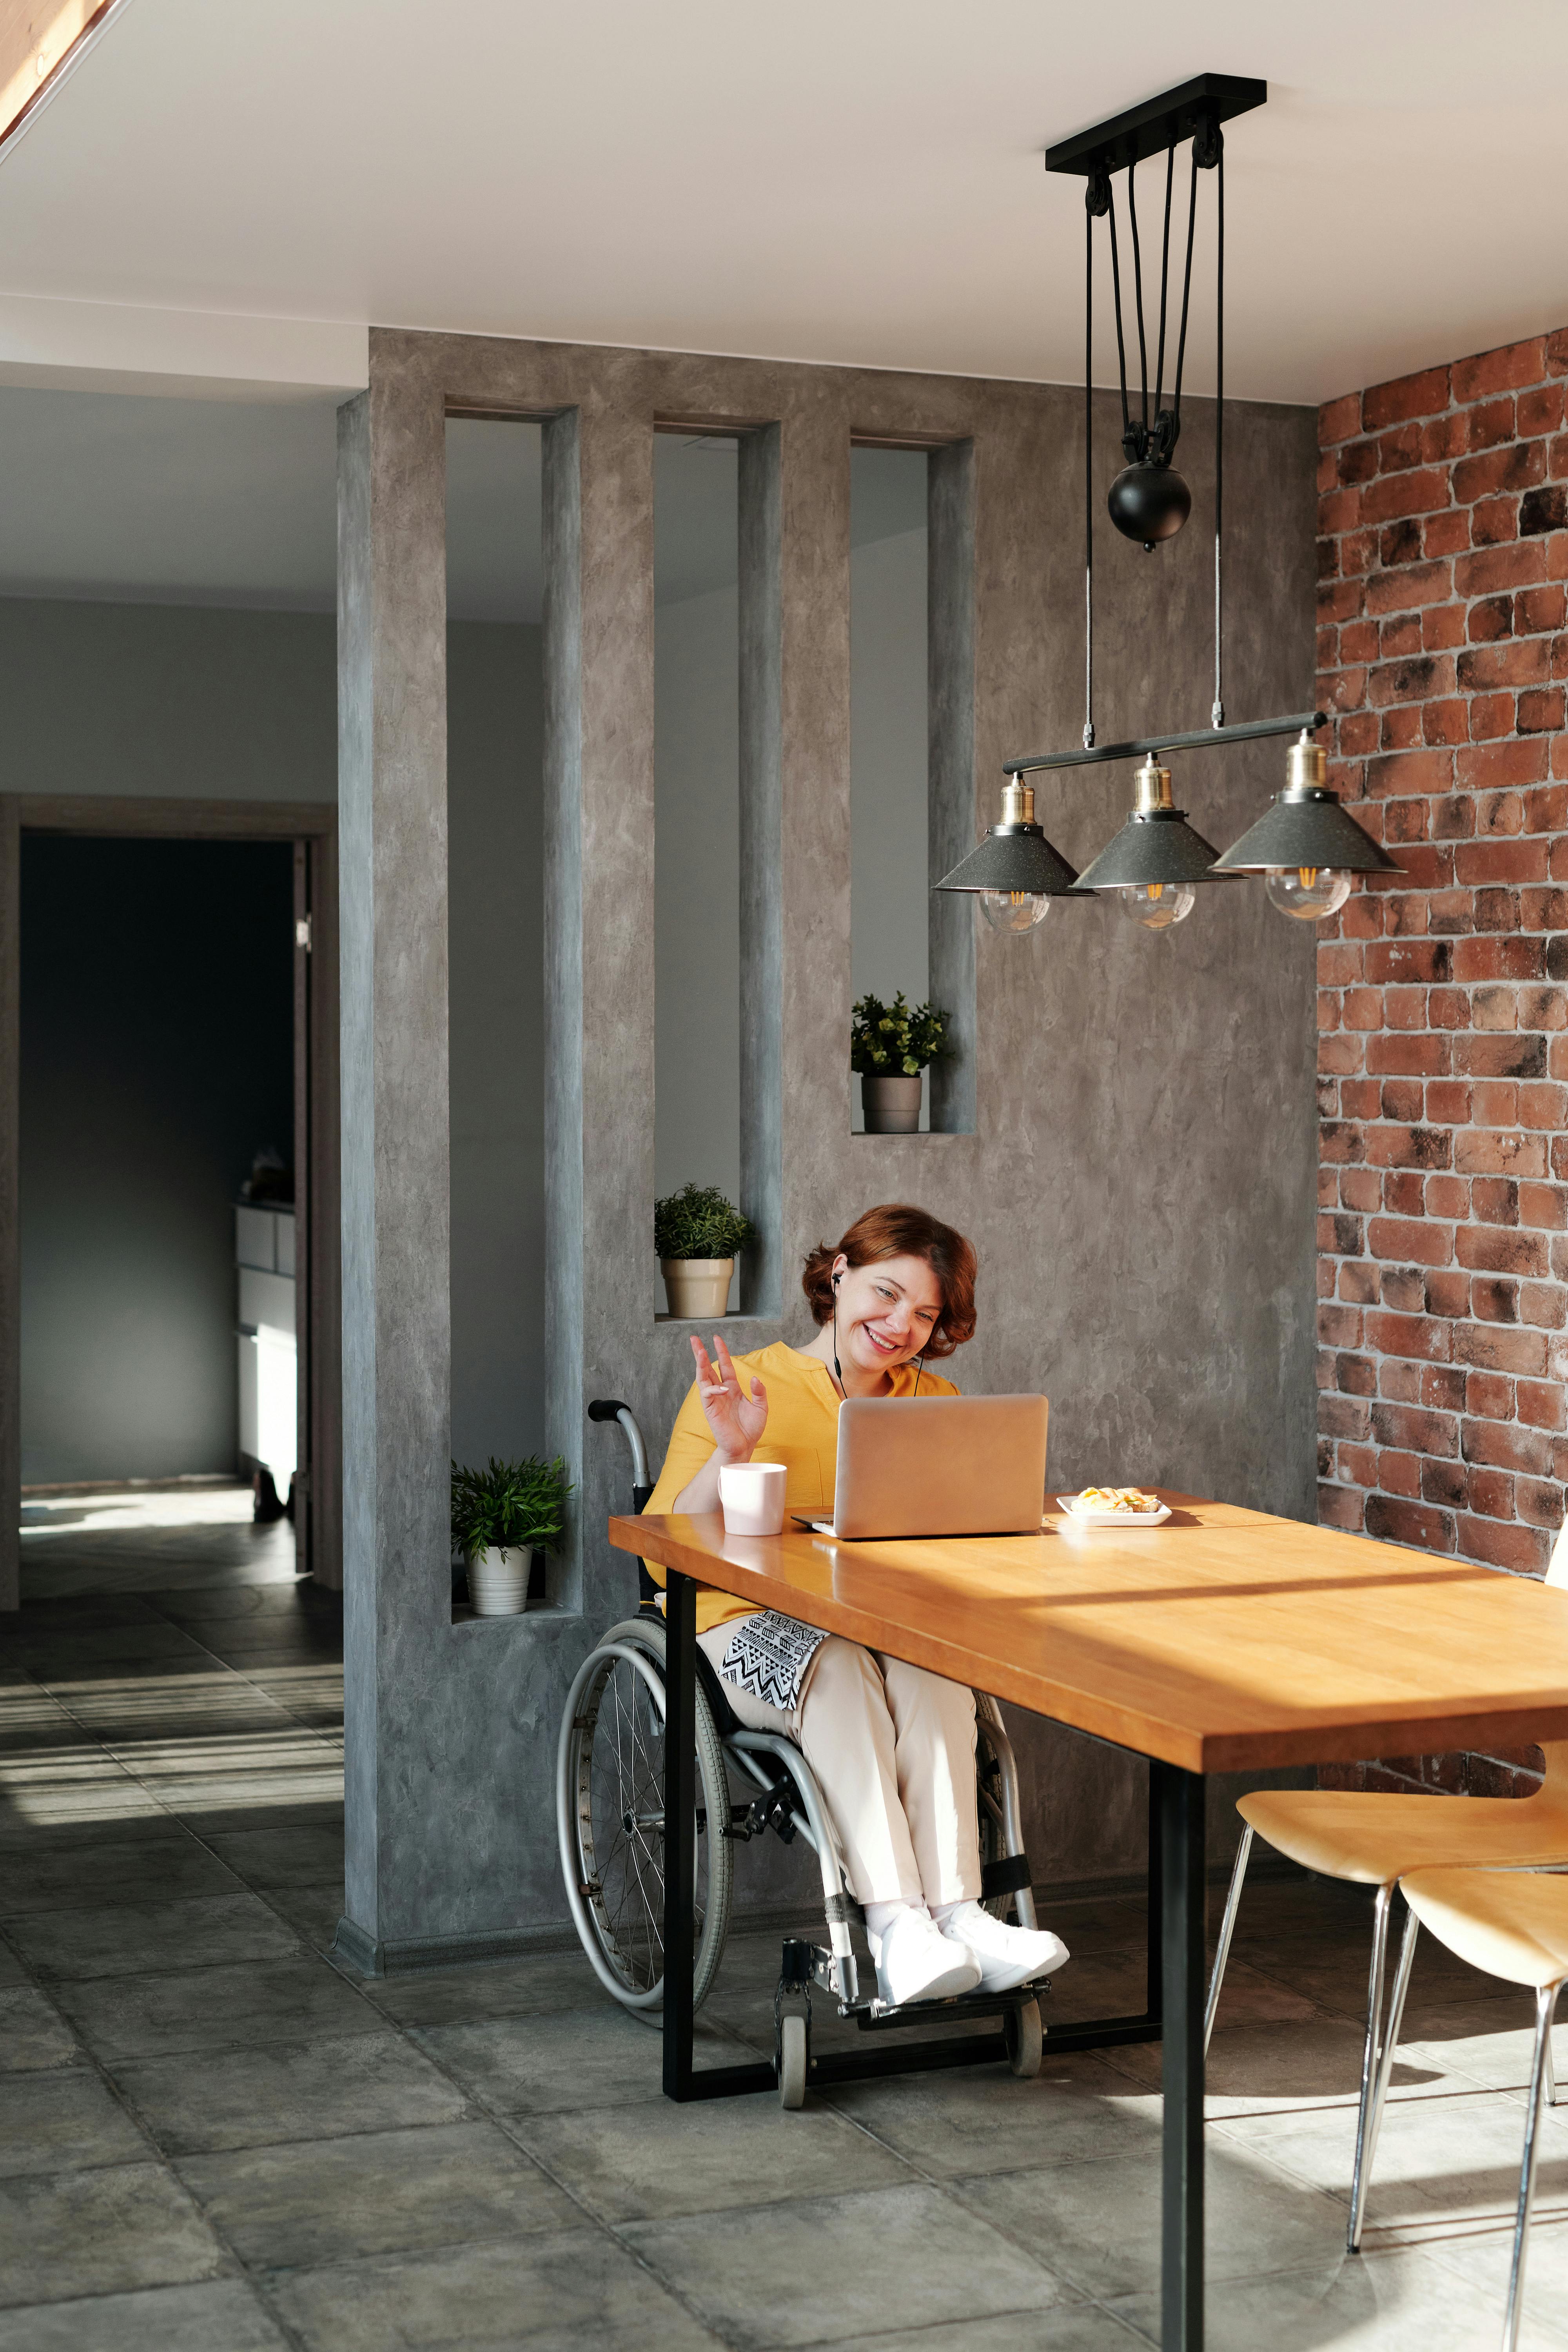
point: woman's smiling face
(887, 1310)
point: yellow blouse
(802, 1434)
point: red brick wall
(1443, 1050)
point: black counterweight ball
(1149, 503)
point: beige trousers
(893, 1750)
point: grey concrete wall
(1141, 1179)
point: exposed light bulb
(1013, 910)
(1307, 892)
(1156, 905)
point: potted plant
(890, 1046)
(699, 1234)
(501, 1516)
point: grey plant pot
(892, 1105)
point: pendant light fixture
(1156, 861)
(1305, 846)
(1015, 873)
(1149, 501)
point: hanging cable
(1089, 203)
(1116, 289)
(1218, 714)
(1164, 280)
(1137, 453)
(1186, 291)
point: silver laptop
(939, 1467)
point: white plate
(1114, 1518)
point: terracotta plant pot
(497, 1582)
(698, 1288)
(892, 1105)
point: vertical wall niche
(697, 816)
(893, 558)
(495, 864)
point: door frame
(312, 827)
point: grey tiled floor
(213, 2140)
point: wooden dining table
(1223, 1641)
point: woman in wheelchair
(892, 1746)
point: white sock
(943, 1912)
(879, 1917)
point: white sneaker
(915, 1961)
(1006, 1957)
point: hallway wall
(167, 702)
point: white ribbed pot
(892, 1105)
(497, 1582)
(698, 1288)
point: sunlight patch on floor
(136, 1506)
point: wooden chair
(1514, 1924)
(1377, 1840)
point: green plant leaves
(896, 1040)
(699, 1223)
(510, 1504)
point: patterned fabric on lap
(768, 1655)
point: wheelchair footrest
(875, 2016)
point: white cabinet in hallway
(264, 1257)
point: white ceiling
(839, 180)
(190, 501)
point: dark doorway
(157, 1062)
(153, 968)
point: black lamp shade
(1153, 845)
(1013, 857)
(1306, 828)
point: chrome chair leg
(1545, 2004)
(1226, 1929)
(1550, 2068)
(1384, 2075)
(1368, 2063)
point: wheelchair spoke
(618, 1805)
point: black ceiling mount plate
(1160, 123)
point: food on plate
(1114, 1498)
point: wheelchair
(610, 1821)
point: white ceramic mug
(752, 1497)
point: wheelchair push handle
(612, 1409)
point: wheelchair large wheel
(610, 1816)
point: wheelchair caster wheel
(794, 2052)
(1026, 2040)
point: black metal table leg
(1154, 1925)
(1180, 1796)
(679, 1828)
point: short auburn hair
(897, 1230)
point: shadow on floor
(214, 2140)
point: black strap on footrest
(842, 1910)
(795, 1965)
(1009, 1876)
